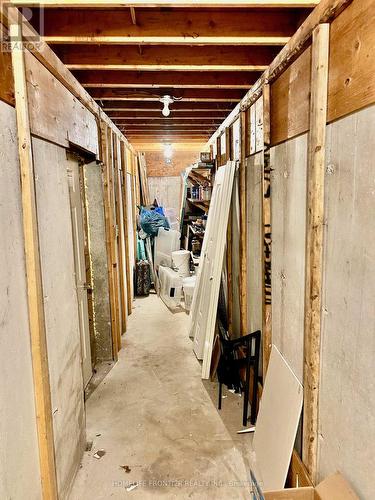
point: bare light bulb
(166, 111)
(166, 100)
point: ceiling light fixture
(166, 100)
(168, 152)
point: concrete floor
(153, 414)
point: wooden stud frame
(124, 191)
(229, 246)
(267, 233)
(243, 226)
(314, 244)
(39, 353)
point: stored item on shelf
(206, 156)
(188, 285)
(195, 192)
(206, 192)
(170, 287)
(166, 242)
(181, 262)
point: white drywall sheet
(19, 455)
(278, 417)
(61, 308)
(206, 292)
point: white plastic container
(166, 242)
(171, 215)
(170, 287)
(181, 262)
(188, 286)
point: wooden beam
(37, 327)
(314, 245)
(266, 233)
(178, 106)
(172, 26)
(203, 118)
(161, 124)
(120, 236)
(167, 3)
(165, 79)
(185, 95)
(43, 53)
(324, 12)
(170, 57)
(124, 191)
(106, 147)
(243, 226)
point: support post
(267, 232)
(243, 225)
(108, 233)
(314, 244)
(124, 179)
(39, 353)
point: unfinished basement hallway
(153, 414)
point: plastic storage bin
(188, 286)
(170, 287)
(166, 242)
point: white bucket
(181, 262)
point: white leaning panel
(277, 423)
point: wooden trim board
(314, 245)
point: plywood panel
(55, 114)
(352, 62)
(290, 97)
(19, 459)
(254, 241)
(61, 309)
(288, 184)
(6, 78)
(347, 394)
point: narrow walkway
(153, 414)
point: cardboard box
(335, 487)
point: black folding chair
(235, 355)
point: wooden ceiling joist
(185, 95)
(156, 115)
(167, 3)
(175, 26)
(166, 79)
(159, 121)
(171, 57)
(178, 106)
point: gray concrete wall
(61, 309)
(347, 394)
(99, 263)
(288, 184)
(19, 457)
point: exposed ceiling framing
(205, 54)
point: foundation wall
(19, 456)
